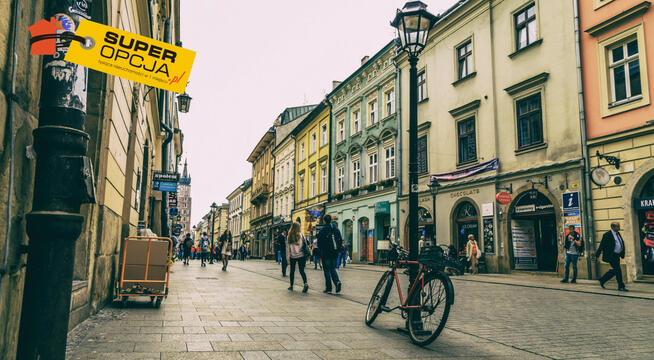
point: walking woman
(473, 253)
(226, 247)
(297, 252)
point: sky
(254, 61)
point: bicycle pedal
(385, 308)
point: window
(422, 86)
(301, 151)
(341, 130)
(530, 125)
(356, 173)
(356, 121)
(389, 160)
(464, 59)
(278, 178)
(467, 140)
(341, 178)
(422, 155)
(323, 131)
(372, 168)
(313, 143)
(390, 102)
(372, 112)
(323, 179)
(301, 194)
(624, 72)
(525, 26)
(313, 183)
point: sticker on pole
(130, 56)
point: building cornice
(456, 112)
(618, 19)
(527, 83)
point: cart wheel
(157, 303)
(123, 301)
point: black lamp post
(434, 186)
(183, 102)
(413, 23)
(214, 207)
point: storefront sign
(131, 56)
(523, 236)
(644, 204)
(383, 207)
(503, 197)
(461, 193)
(164, 181)
(571, 200)
(172, 199)
(489, 235)
(525, 208)
(470, 170)
(487, 209)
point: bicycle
(431, 293)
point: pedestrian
(281, 245)
(188, 244)
(345, 254)
(329, 245)
(204, 246)
(241, 252)
(226, 247)
(473, 253)
(573, 248)
(316, 255)
(193, 248)
(421, 243)
(296, 253)
(612, 247)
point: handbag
(305, 247)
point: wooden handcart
(145, 268)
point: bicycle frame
(419, 278)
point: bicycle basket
(431, 257)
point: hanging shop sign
(523, 234)
(468, 171)
(172, 199)
(570, 200)
(644, 204)
(173, 211)
(131, 56)
(503, 197)
(382, 207)
(165, 181)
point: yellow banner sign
(130, 56)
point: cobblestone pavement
(247, 313)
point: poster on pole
(523, 233)
(571, 217)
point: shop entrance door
(533, 233)
(467, 223)
(646, 225)
(364, 241)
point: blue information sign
(571, 200)
(164, 186)
(173, 211)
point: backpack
(205, 245)
(337, 240)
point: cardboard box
(137, 252)
(137, 272)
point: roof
(310, 117)
(266, 139)
(291, 113)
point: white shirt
(618, 242)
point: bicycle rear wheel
(379, 297)
(435, 298)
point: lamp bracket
(609, 159)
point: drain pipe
(398, 156)
(12, 146)
(165, 121)
(585, 178)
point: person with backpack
(226, 247)
(281, 245)
(296, 253)
(204, 245)
(241, 252)
(574, 247)
(316, 255)
(473, 253)
(188, 245)
(329, 246)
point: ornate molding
(618, 19)
(528, 83)
(458, 111)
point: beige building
(125, 148)
(497, 112)
(261, 211)
(235, 217)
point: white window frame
(389, 102)
(389, 161)
(356, 173)
(301, 188)
(341, 178)
(314, 140)
(422, 84)
(323, 179)
(624, 64)
(373, 163)
(302, 151)
(356, 122)
(313, 182)
(323, 130)
(341, 130)
(373, 113)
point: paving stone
(245, 345)
(240, 337)
(162, 330)
(194, 337)
(199, 346)
(254, 355)
(228, 355)
(292, 355)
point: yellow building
(312, 167)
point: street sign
(503, 197)
(571, 200)
(165, 181)
(172, 199)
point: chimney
(335, 84)
(364, 59)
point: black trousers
(284, 265)
(301, 262)
(615, 271)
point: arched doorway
(466, 222)
(645, 212)
(533, 232)
(348, 234)
(365, 254)
(425, 227)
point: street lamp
(183, 102)
(434, 186)
(214, 207)
(413, 23)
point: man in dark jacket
(329, 245)
(612, 247)
(281, 245)
(188, 244)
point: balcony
(260, 193)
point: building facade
(184, 201)
(364, 157)
(235, 217)
(312, 167)
(496, 114)
(220, 221)
(261, 212)
(284, 164)
(615, 50)
(246, 235)
(125, 148)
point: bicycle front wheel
(434, 299)
(378, 298)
